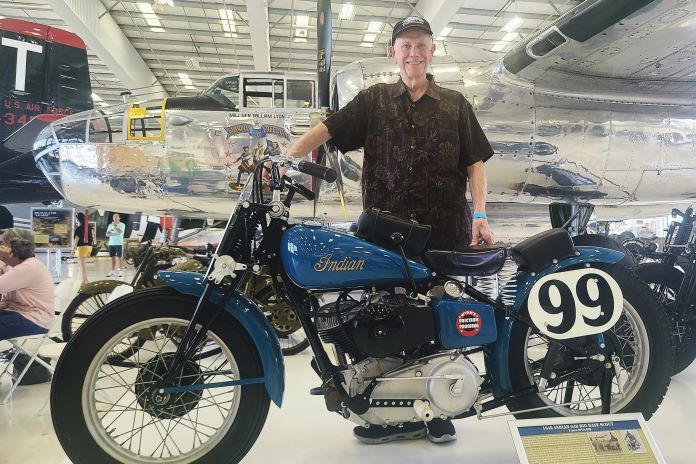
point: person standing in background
(82, 243)
(115, 233)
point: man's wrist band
(479, 216)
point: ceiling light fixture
(369, 37)
(374, 26)
(512, 25)
(185, 79)
(499, 46)
(445, 32)
(227, 18)
(96, 98)
(149, 14)
(302, 21)
(347, 12)
(510, 36)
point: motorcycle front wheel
(104, 406)
(640, 340)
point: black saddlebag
(378, 226)
(539, 251)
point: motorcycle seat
(541, 250)
(474, 261)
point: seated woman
(26, 307)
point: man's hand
(480, 231)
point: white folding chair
(30, 346)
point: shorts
(84, 251)
(116, 250)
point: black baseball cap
(411, 21)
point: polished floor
(302, 431)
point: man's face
(413, 52)
(117, 218)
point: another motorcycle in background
(672, 277)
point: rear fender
(251, 318)
(500, 372)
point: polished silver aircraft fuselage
(619, 135)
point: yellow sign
(137, 113)
(41, 238)
(60, 228)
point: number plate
(575, 303)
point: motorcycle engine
(378, 325)
(437, 386)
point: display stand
(610, 439)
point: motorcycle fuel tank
(318, 258)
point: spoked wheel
(664, 281)
(641, 356)
(79, 309)
(82, 307)
(109, 412)
(282, 317)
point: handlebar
(317, 170)
(306, 167)
(684, 215)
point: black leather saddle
(475, 261)
(540, 251)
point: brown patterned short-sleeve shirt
(415, 155)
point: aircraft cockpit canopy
(271, 91)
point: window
(300, 94)
(263, 93)
(225, 91)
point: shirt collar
(433, 91)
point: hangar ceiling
(179, 47)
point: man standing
(421, 144)
(115, 234)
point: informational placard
(608, 439)
(52, 227)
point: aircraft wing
(629, 51)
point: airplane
(598, 108)
(44, 77)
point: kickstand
(605, 386)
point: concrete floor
(302, 431)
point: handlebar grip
(317, 170)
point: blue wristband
(479, 216)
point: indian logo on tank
(325, 263)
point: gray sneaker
(376, 434)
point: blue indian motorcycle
(572, 332)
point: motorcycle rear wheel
(642, 342)
(106, 412)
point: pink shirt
(27, 288)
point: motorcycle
(152, 259)
(672, 277)
(572, 333)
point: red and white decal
(469, 323)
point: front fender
(502, 384)
(101, 286)
(251, 318)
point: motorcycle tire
(664, 280)
(91, 431)
(642, 332)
